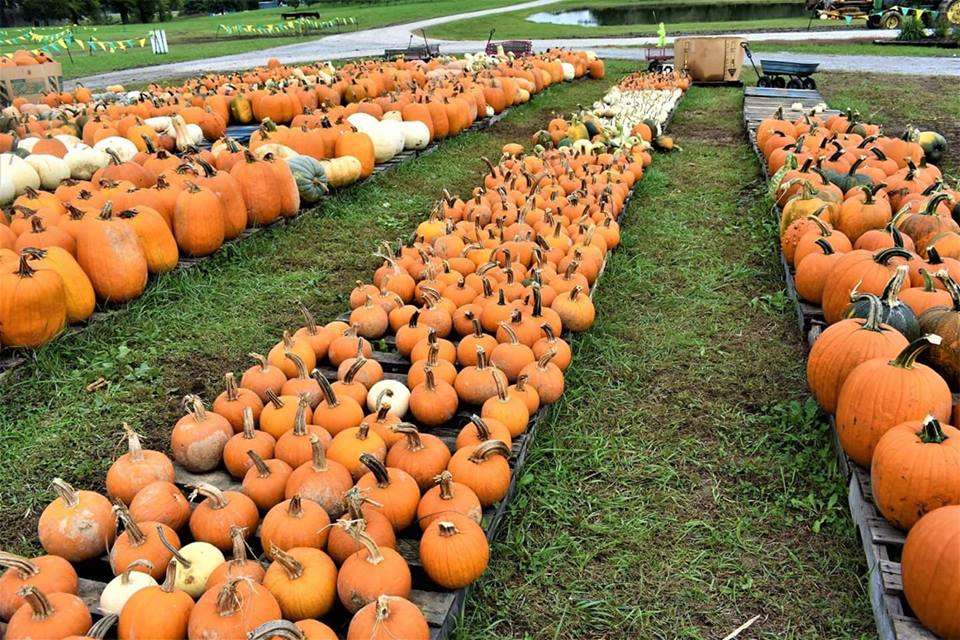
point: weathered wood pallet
(11, 359)
(882, 543)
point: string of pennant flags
(297, 25)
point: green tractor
(890, 14)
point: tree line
(44, 12)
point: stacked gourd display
(630, 112)
(330, 473)
(97, 210)
(869, 226)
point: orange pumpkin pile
(328, 473)
(131, 206)
(869, 226)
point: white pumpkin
(392, 133)
(416, 135)
(392, 391)
(121, 588)
(362, 121)
(123, 148)
(160, 124)
(51, 169)
(7, 191)
(279, 151)
(84, 163)
(28, 144)
(569, 71)
(20, 174)
(392, 115)
(203, 558)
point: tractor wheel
(809, 83)
(763, 81)
(951, 9)
(778, 82)
(795, 83)
(891, 20)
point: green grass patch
(195, 37)
(855, 49)
(685, 481)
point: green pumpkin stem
(825, 246)
(931, 432)
(952, 288)
(874, 313)
(908, 357)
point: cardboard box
(30, 81)
(717, 59)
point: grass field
(684, 483)
(516, 25)
(195, 37)
(855, 49)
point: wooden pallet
(763, 102)
(11, 359)
(882, 543)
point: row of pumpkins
(92, 223)
(868, 224)
(23, 58)
(286, 94)
(331, 473)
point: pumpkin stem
(263, 471)
(908, 357)
(291, 565)
(488, 448)
(133, 566)
(885, 255)
(194, 405)
(311, 323)
(824, 246)
(376, 466)
(891, 291)
(25, 270)
(42, 609)
(374, 556)
(445, 482)
(216, 497)
(931, 432)
(274, 399)
(330, 397)
(137, 538)
(483, 431)
(24, 567)
(319, 459)
(447, 529)
(277, 629)
(69, 495)
(100, 628)
(952, 288)
(228, 600)
(357, 365)
(414, 441)
(546, 358)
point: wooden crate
(882, 543)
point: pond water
(670, 14)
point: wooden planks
(882, 543)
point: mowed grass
(856, 49)
(685, 482)
(195, 37)
(192, 326)
(515, 24)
